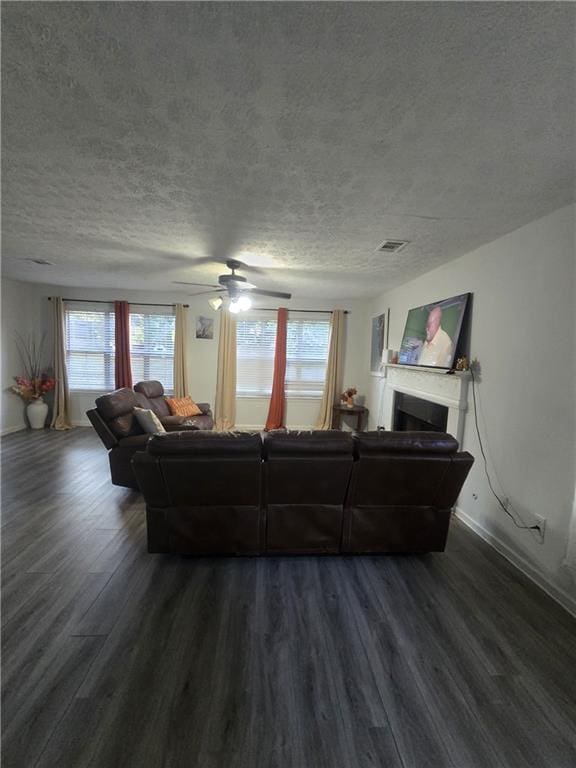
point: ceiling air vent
(392, 246)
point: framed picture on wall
(204, 327)
(377, 344)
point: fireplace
(415, 414)
(435, 387)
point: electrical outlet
(541, 523)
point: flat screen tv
(432, 333)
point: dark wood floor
(113, 657)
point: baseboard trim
(556, 593)
(85, 423)
(10, 430)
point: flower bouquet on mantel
(347, 397)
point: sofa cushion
(172, 421)
(148, 420)
(116, 409)
(116, 403)
(200, 442)
(183, 406)
(125, 426)
(380, 442)
(150, 389)
(199, 422)
(153, 394)
(142, 401)
(160, 407)
(294, 444)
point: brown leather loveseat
(153, 392)
(299, 492)
(114, 420)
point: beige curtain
(61, 407)
(333, 381)
(181, 352)
(225, 406)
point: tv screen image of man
(437, 347)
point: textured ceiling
(141, 137)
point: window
(255, 344)
(306, 356)
(152, 347)
(90, 347)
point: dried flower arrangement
(35, 382)
(347, 397)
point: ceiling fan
(236, 287)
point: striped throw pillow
(183, 406)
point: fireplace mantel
(437, 386)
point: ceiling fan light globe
(216, 303)
(244, 303)
(234, 307)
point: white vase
(36, 412)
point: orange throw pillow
(183, 406)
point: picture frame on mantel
(377, 344)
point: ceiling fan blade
(242, 265)
(240, 284)
(202, 285)
(203, 293)
(276, 294)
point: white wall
(21, 314)
(523, 325)
(28, 302)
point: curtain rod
(132, 303)
(308, 311)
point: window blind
(90, 346)
(306, 357)
(255, 344)
(152, 347)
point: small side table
(338, 411)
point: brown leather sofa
(114, 421)
(153, 391)
(402, 490)
(306, 475)
(304, 492)
(203, 492)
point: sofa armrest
(205, 408)
(172, 421)
(453, 480)
(147, 470)
(104, 433)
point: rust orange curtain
(122, 370)
(275, 418)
